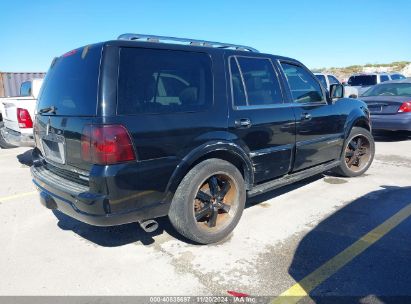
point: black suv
(134, 129)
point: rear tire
(3, 143)
(209, 201)
(358, 153)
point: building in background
(10, 82)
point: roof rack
(152, 38)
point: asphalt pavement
(323, 237)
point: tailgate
(67, 104)
(59, 140)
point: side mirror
(336, 91)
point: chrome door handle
(305, 116)
(242, 123)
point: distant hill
(404, 67)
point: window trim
(210, 105)
(254, 107)
(315, 103)
(335, 79)
(321, 75)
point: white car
(328, 79)
(363, 81)
(18, 116)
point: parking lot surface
(326, 236)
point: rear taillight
(106, 144)
(405, 107)
(24, 119)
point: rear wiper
(51, 109)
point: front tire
(358, 153)
(209, 201)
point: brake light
(405, 107)
(24, 119)
(72, 52)
(106, 144)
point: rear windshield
(71, 83)
(390, 89)
(397, 77)
(363, 80)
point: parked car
(397, 76)
(17, 115)
(327, 80)
(366, 80)
(390, 105)
(134, 129)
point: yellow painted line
(20, 195)
(311, 281)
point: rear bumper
(394, 122)
(16, 138)
(83, 204)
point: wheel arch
(227, 151)
(357, 118)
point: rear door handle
(242, 123)
(305, 116)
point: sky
(320, 33)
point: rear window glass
(390, 89)
(397, 77)
(163, 81)
(384, 78)
(71, 83)
(362, 80)
(25, 88)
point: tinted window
(390, 89)
(237, 84)
(158, 81)
(322, 79)
(71, 83)
(25, 88)
(397, 76)
(260, 80)
(333, 80)
(384, 78)
(304, 87)
(362, 80)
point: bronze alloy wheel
(358, 153)
(215, 202)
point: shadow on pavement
(115, 236)
(26, 158)
(376, 275)
(391, 136)
(130, 233)
(252, 201)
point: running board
(292, 178)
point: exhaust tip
(149, 225)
